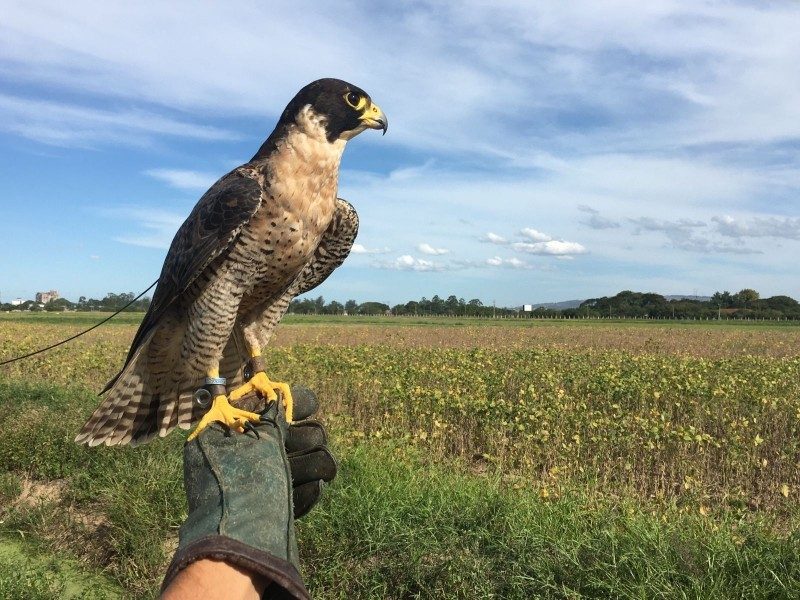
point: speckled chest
(298, 203)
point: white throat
(305, 163)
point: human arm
(244, 491)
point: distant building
(527, 307)
(17, 301)
(45, 297)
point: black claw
(248, 426)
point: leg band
(215, 386)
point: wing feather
(206, 234)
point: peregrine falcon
(267, 231)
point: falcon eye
(353, 99)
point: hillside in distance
(564, 304)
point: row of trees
(436, 306)
(745, 304)
(111, 302)
(318, 306)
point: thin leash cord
(69, 339)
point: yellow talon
(229, 416)
(266, 387)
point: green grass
(397, 523)
(86, 319)
(402, 528)
(117, 507)
(26, 574)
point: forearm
(214, 579)
(242, 490)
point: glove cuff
(281, 572)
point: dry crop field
(583, 442)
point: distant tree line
(745, 304)
(436, 306)
(318, 306)
(110, 303)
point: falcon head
(340, 109)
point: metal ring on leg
(214, 386)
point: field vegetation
(506, 459)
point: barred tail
(150, 398)
(128, 414)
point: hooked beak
(374, 118)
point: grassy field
(509, 459)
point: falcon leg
(222, 411)
(259, 382)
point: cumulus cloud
(493, 238)
(690, 235)
(680, 232)
(785, 227)
(361, 249)
(678, 227)
(406, 262)
(536, 236)
(512, 263)
(428, 249)
(551, 248)
(595, 221)
(183, 179)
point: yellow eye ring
(354, 100)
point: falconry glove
(245, 490)
(306, 443)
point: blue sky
(536, 152)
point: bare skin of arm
(214, 579)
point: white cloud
(679, 227)
(159, 226)
(775, 227)
(689, 235)
(407, 262)
(360, 249)
(63, 124)
(493, 238)
(595, 221)
(552, 247)
(513, 263)
(183, 179)
(428, 249)
(413, 172)
(536, 236)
